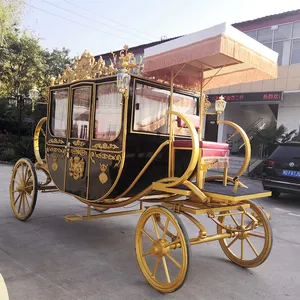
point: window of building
(283, 50)
(283, 32)
(296, 30)
(252, 34)
(108, 112)
(265, 35)
(295, 57)
(59, 111)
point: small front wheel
(162, 249)
(252, 243)
(23, 189)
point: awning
(222, 53)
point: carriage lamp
(34, 95)
(220, 105)
(123, 80)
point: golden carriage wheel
(39, 136)
(249, 248)
(23, 189)
(162, 249)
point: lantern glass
(34, 94)
(12, 101)
(220, 105)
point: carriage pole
(171, 158)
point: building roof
(137, 49)
(270, 20)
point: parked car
(281, 171)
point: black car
(281, 172)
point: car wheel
(275, 194)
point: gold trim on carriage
(121, 132)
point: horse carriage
(129, 132)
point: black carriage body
(94, 160)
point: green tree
(10, 15)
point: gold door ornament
(54, 164)
(103, 177)
(76, 167)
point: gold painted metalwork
(80, 152)
(76, 167)
(54, 164)
(56, 150)
(78, 143)
(36, 141)
(55, 141)
(86, 67)
(107, 156)
(207, 104)
(162, 249)
(105, 146)
(103, 177)
(23, 189)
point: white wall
(289, 111)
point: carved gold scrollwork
(86, 67)
(107, 156)
(55, 150)
(80, 152)
(105, 146)
(54, 164)
(55, 141)
(76, 167)
(78, 143)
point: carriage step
(73, 218)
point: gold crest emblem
(103, 177)
(76, 167)
(54, 164)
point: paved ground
(47, 258)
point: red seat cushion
(209, 149)
(195, 120)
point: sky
(101, 26)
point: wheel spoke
(148, 235)
(166, 269)
(155, 226)
(27, 202)
(252, 247)
(28, 194)
(16, 181)
(17, 199)
(155, 266)
(242, 219)
(242, 249)
(43, 132)
(257, 235)
(29, 177)
(232, 242)
(23, 205)
(21, 181)
(173, 260)
(19, 207)
(25, 175)
(146, 253)
(234, 220)
(249, 225)
(165, 229)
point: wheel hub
(159, 248)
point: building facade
(258, 104)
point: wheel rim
(39, 134)
(162, 249)
(252, 247)
(23, 189)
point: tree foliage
(10, 15)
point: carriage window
(108, 112)
(151, 105)
(81, 111)
(186, 105)
(59, 108)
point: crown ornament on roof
(86, 67)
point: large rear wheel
(23, 189)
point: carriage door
(76, 174)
